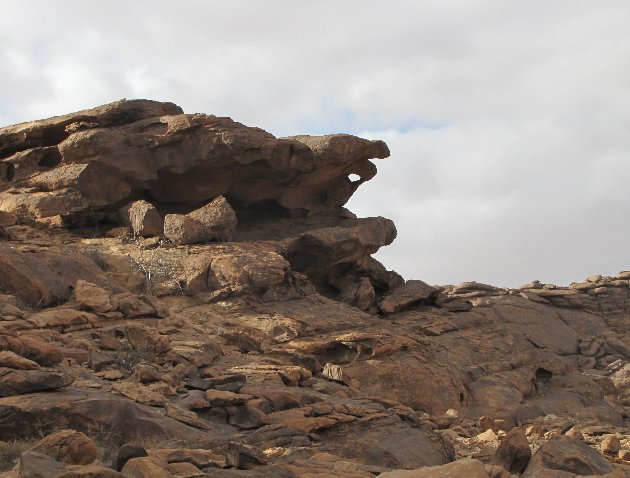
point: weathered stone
(332, 372)
(7, 219)
(144, 468)
(68, 446)
(569, 455)
(412, 292)
(220, 398)
(143, 218)
(43, 279)
(93, 298)
(127, 452)
(16, 382)
(513, 453)
(466, 468)
(32, 348)
(610, 445)
(218, 217)
(39, 465)
(12, 360)
(244, 457)
(185, 416)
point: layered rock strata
(181, 295)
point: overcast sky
(508, 121)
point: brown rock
(185, 470)
(575, 432)
(7, 219)
(39, 465)
(47, 278)
(216, 220)
(92, 159)
(91, 471)
(185, 416)
(63, 318)
(218, 217)
(513, 453)
(143, 468)
(32, 348)
(145, 374)
(610, 445)
(127, 452)
(244, 457)
(12, 360)
(465, 468)
(143, 218)
(568, 455)
(68, 446)
(360, 294)
(16, 382)
(92, 297)
(412, 292)
(333, 372)
(220, 398)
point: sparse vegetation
(10, 452)
(126, 360)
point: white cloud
(507, 121)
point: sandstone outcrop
(182, 295)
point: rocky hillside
(183, 296)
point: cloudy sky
(508, 121)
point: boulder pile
(182, 296)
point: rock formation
(182, 295)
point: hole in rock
(461, 397)
(355, 178)
(543, 375)
(51, 159)
(338, 353)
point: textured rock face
(234, 323)
(102, 158)
(216, 220)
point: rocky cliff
(184, 296)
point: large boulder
(99, 159)
(68, 446)
(45, 278)
(16, 382)
(566, 454)
(143, 218)
(216, 220)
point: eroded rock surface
(233, 323)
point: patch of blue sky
(348, 122)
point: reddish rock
(143, 218)
(68, 446)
